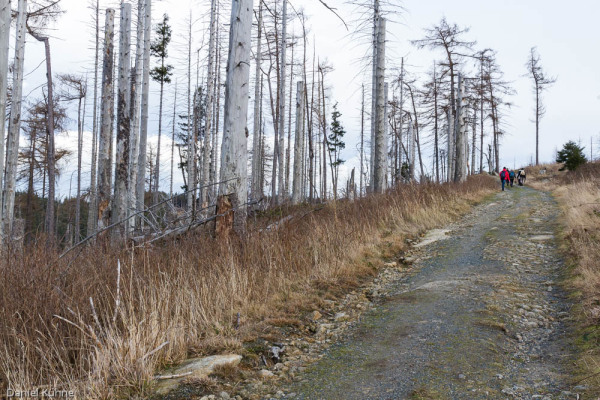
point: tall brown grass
(81, 323)
(578, 194)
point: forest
(241, 167)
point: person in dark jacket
(511, 175)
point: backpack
(502, 175)
(512, 174)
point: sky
(564, 34)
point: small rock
(392, 264)
(549, 288)
(580, 388)
(500, 376)
(341, 316)
(316, 315)
(224, 395)
(278, 367)
(265, 373)
(462, 376)
(279, 394)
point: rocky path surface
(479, 316)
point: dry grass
(78, 323)
(578, 194)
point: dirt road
(479, 316)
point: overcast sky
(565, 35)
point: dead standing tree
(541, 83)
(4, 47)
(12, 145)
(106, 117)
(448, 38)
(234, 153)
(121, 198)
(75, 88)
(40, 17)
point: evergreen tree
(336, 144)
(161, 74)
(571, 155)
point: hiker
(521, 177)
(511, 174)
(504, 177)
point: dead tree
(460, 167)
(76, 89)
(41, 16)
(135, 103)
(380, 139)
(210, 88)
(120, 202)
(12, 143)
(256, 161)
(297, 189)
(541, 83)
(4, 47)
(234, 153)
(448, 38)
(93, 204)
(142, 155)
(106, 117)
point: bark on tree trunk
(297, 189)
(460, 173)
(4, 46)
(234, 153)
(93, 205)
(12, 144)
(282, 81)
(256, 161)
(362, 140)
(119, 211)
(135, 103)
(380, 142)
(375, 41)
(140, 185)
(107, 105)
(206, 150)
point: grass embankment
(578, 193)
(77, 323)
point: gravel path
(479, 316)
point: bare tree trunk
(173, 141)
(119, 211)
(206, 148)
(140, 184)
(474, 142)
(234, 154)
(256, 161)
(436, 126)
(50, 221)
(386, 132)
(289, 141)
(362, 139)
(297, 190)
(460, 173)
(155, 198)
(380, 142)
(77, 230)
(282, 81)
(135, 102)
(93, 205)
(107, 105)
(412, 146)
(191, 155)
(375, 41)
(450, 151)
(12, 144)
(4, 47)
(537, 123)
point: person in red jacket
(504, 177)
